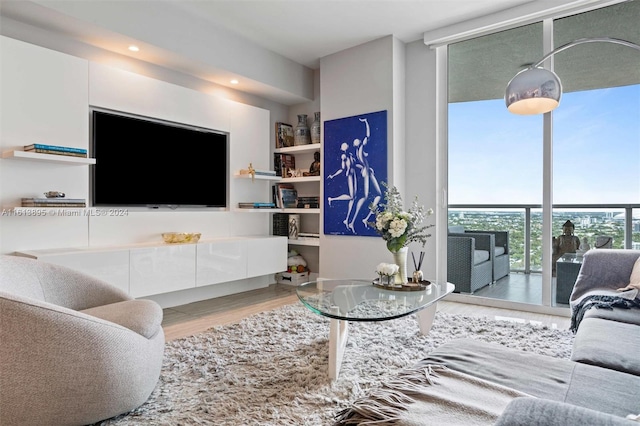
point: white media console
(152, 269)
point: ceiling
(307, 30)
(298, 32)
(302, 31)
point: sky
(495, 157)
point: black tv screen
(144, 162)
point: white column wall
(421, 163)
(356, 81)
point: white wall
(355, 81)
(46, 97)
(421, 163)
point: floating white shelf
(313, 211)
(51, 158)
(299, 148)
(262, 210)
(258, 177)
(302, 179)
(305, 241)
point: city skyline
(495, 157)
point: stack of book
(282, 163)
(54, 202)
(56, 150)
(257, 205)
(286, 196)
(309, 202)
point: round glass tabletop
(359, 300)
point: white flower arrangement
(397, 227)
(387, 270)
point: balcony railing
(524, 221)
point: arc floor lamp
(536, 90)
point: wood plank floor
(193, 318)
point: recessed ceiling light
(134, 48)
(234, 81)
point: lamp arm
(586, 40)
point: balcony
(524, 223)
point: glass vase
(315, 128)
(400, 259)
(302, 134)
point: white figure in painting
(368, 177)
(346, 167)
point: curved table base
(339, 333)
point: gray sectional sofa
(599, 385)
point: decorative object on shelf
(314, 169)
(295, 173)
(315, 128)
(295, 262)
(282, 163)
(54, 194)
(354, 147)
(251, 171)
(294, 226)
(256, 205)
(310, 202)
(418, 276)
(56, 202)
(284, 135)
(297, 271)
(181, 237)
(399, 228)
(302, 134)
(55, 150)
(281, 224)
(287, 196)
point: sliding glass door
(530, 175)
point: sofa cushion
(630, 315)
(608, 344)
(499, 251)
(456, 229)
(562, 380)
(142, 316)
(480, 256)
(536, 411)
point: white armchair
(75, 350)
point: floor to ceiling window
(497, 165)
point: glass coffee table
(358, 300)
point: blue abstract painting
(355, 164)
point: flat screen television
(144, 162)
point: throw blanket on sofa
(430, 395)
(601, 301)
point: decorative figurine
(314, 169)
(565, 243)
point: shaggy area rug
(271, 368)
